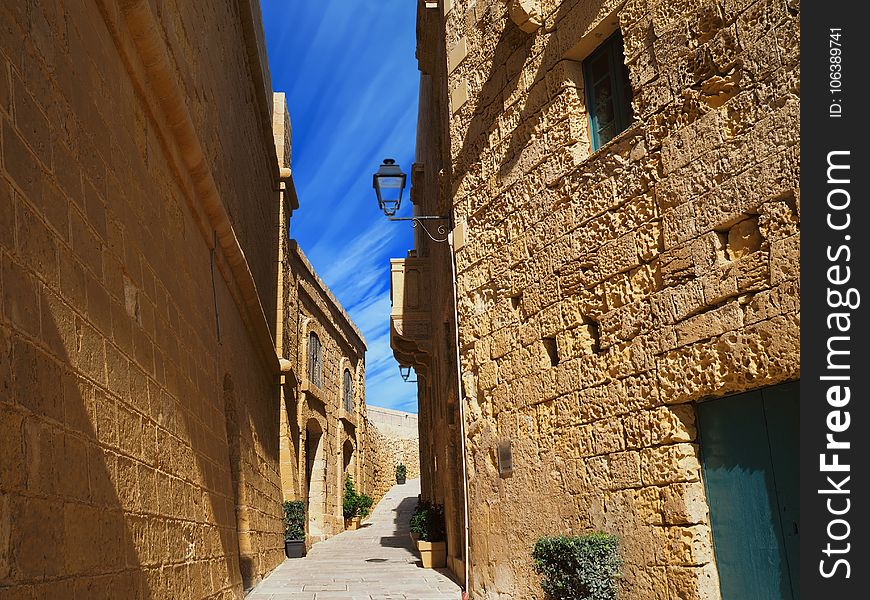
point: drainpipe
(461, 401)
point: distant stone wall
(407, 452)
(401, 436)
(384, 453)
(394, 423)
(380, 468)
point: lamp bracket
(418, 222)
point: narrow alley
(376, 562)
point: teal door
(749, 450)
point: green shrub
(354, 504)
(401, 471)
(350, 503)
(294, 520)
(578, 567)
(428, 522)
(364, 505)
(419, 518)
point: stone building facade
(423, 317)
(145, 190)
(623, 182)
(323, 416)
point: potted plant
(294, 528)
(418, 520)
(429, 524)
(401, 471)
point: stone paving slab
(376, 562)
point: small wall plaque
(505, 459)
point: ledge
(312, 390)
(347, 417)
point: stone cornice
(299, 256)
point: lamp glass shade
(405, 372)
(389, 183)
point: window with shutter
(315, 360)
(348, 391)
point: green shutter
(608, 91)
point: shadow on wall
(127, 516)
(509, 58)
(76, 527)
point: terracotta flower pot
(433, 554)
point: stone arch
(315, 478)
(290, 440)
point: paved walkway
(376, 562)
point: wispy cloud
(351, 79)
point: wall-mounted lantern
(389, 183)
(405, 372)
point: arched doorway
(315, 478)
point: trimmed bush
(401, 471)
(578, 567)
(294, 520)
(419, 517)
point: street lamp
(389, 183)
(405, 372)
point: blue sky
(351, 79)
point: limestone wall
(401, 433)
(602, 293)
(380, 469)
(394, 423)
(385, 452)
(405, 451)
(137, 394)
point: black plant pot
(400, 480)
(294, 548)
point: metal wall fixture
(389, 183)
(405, 372)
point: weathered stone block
(677, 463)
(709, 324)
(684, 504)
(689, 545)
(785, 259)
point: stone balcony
(410, 317)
